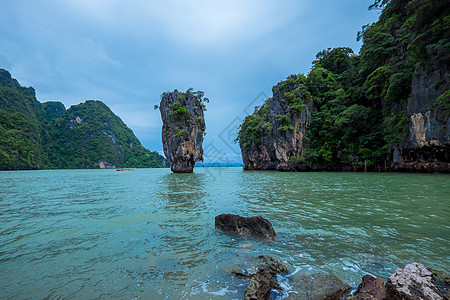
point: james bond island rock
(371, 288)
(257, 227)
(416, 282)
(183, 128)
(386, 109)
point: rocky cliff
(183, 129)
(386, 109)
(426, 145)
(273, 137)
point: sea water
(150, 234)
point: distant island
(386, 109)
(36, 135)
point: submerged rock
(183, 129)
(318, 287)
(416, 282)
(371, 288)
(264, 280)
(249, 227)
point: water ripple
(150, 233)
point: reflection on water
(150, 233)
(184, 191)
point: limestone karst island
(183, 129)
(257, 150)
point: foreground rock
(257, 227)
(183, 129)
(264, 281)
(371, 288)
(417, 282)
(318, 287)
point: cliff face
(387, 108)
(183, 129)
(36, 135)
(280, 127)
(427, 139)
(423, 42)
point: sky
(127, 53)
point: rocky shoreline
(414, 281)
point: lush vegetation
(35, 135)
(360, 101)
(179, 113)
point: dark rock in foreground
(318, 287)
(183, 129)
(442, 281)
(416, 282)
(264, 280)
(249, 227)
(371, 288)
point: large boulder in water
(249, 227)
(318, 286)
(371, 288)
(416, 282)
(183, 129)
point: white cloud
(142, 116)
(198, 23)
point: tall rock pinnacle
(183, 128)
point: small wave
(222, 292)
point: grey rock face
(412, 282)
(250, 227)
(280, 149)
(427, 144)
(183, 129)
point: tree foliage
(360, 100)
(36, 135)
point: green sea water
(149, 234)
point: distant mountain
(36, 135)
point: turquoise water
(150, 234)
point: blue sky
(126, 53)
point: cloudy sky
(126, 53)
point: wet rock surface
(256, 227)
(371, 288)
(414, 281)
(318, 286)
(183, 129)
(262, 283)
